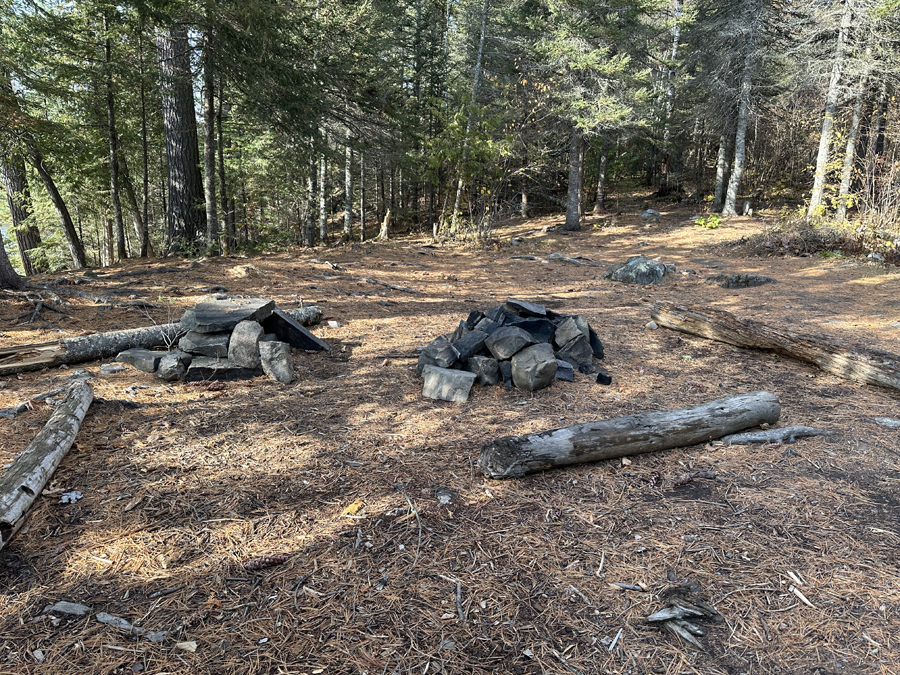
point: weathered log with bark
(20, 358)
(859, 364)
(21, 485)
(512, 457)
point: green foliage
(710, 222)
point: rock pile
(232, 338)
(518, 343)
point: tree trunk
(146, 248)
(9, 278)
(311, 203)
(573, 197)
(29, 474)
(348, 192)
(859, 364)
(670, 93)
(209, 144)
(140, 225)
(723, 166)
(385, 232)
(76, 249)
(740, 137)
(601, 178)
(19, 201)
(850, 152)
(362, 197)
(831, 102)
(229, 241)
(323, 216)
(186, 221)
(121, 249)
(513, 457)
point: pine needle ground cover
(339, 524)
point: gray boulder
(565, 371)
(639, 269)
(577, 352)
(440, 353)
(486, 369)
(206, 368)
(447, 385)
(275, 358)
(142, 359)
(650, 216)
(740, 280)
(534, 368)
(243, 348)
(205, 344)
(219, 316)
(567, 331)
(506, 341)
(173, 366)
(470, 344)
(524, 308)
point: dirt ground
(400, 557)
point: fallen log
(83, 348)
(787, 435)
(512, 457)
(868, 366)
(21, 485)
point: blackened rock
(604, 378)
(566, 331)
(554, 316)
(447, 385)
(205, 344)
(488, 326)
(219, 316)
(289, 330)
(275, 358)
(486, 369)
(142, 359)
(639, 269)
(504, 343)
(525, 308)
(583, 325)
(740, 280)
(534, 368)
(577, 352)
(460, 331)
(497, 314)
(542, 330)
(470, 344)
(596, 345)
(565, 371)
(440, 353)
(243, 348)
(174, 365)
(506, 374)
(473, 319)
(207, 368)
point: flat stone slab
(142, 359)
(639, 269)
(206, 368)
(275, 358)
(205, 344)
(534, 367)
(447, 385)
(289, 330)
(525, 308)
(740, 280)
(506, 341)
(219, 316)
(72, 608)
(111, 368)
(486, 369)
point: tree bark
(24, 481)
(513, 457)
(185, 220)
(740, 137)
(831, 102)
(146, 248)
(9, 278)
(573, 197)
(140, 225)
(601, 179)
(76, 249)
(209, 145)
(723, 166)
(850, 149)
(362, 197)
(18, 199)
(323, 215)
(113, 134)
(230, 239)
(348, 191)
(868, 366)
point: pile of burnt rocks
(519, 343)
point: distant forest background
(152, 128)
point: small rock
(640, 270)
(275, 358)
(334, 324)
(114, 621)
(80, 374)
(604, 378)
(650, 216)
(506, 341)
(64, 607)
(142, 359)
(38, 655)
(506, 374)
(486, 369)
(651, 325)
(111, 369)
(883, 421)
(534, 367)
(487, 325)
(447, 385)
(243, 348)
(565, 371)
(740, 280)
(173, 366)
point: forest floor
(401, 557)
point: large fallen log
(869, 366)
(512, 456)
(86, 347)
(24, 481)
